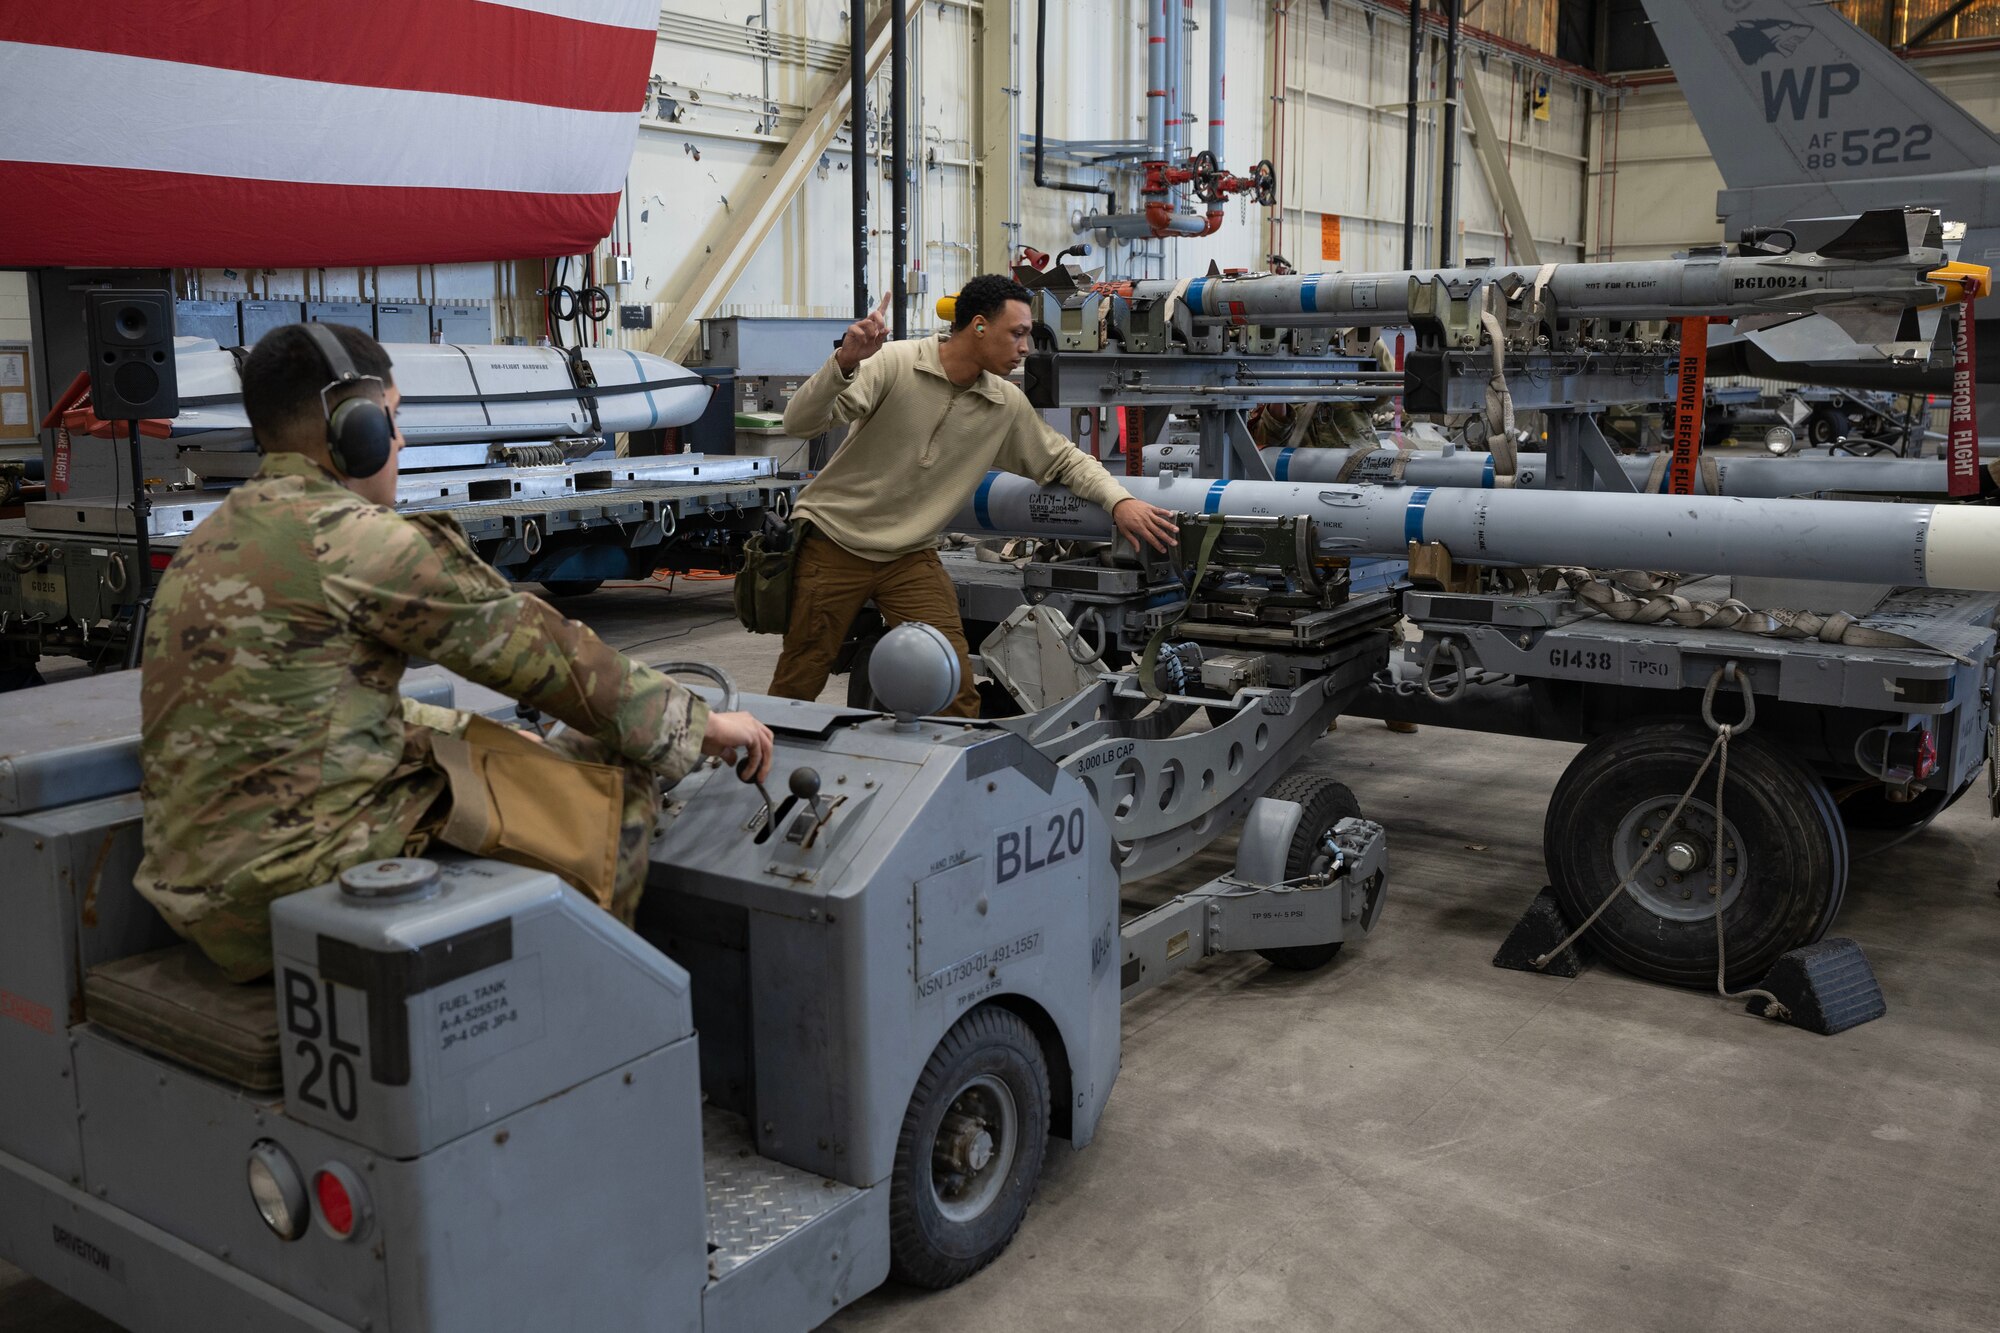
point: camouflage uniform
(1333, 426)
(276, 749)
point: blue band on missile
(1213, 502)
(1194, 295)
(979, 509)
(1486, 477)
(639, 376)
(1309, 295)
(1413, 517)
(1283, 469)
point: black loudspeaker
(132, 355)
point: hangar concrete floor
(1412, 1139)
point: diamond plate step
(754, 1202)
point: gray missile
(459, 393)
(1921, 545)
(1879, 262)
(1752, 476)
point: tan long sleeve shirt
(919, 446)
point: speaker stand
(143, 586)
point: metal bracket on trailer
(1239, 910)
(1166, 796)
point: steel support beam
(999, 154)
(1493, 161)
(766, 200)
(1925, 33)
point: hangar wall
(1608, 168)
(733, 81)
(1332, 120)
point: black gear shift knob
(804, 783)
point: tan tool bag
(519, 801)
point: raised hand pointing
(864, 337)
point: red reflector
(335, 1208)
(1927, 754)
(159, 560)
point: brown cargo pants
(830, 586)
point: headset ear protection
(359, 430)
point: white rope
(1776, 1007)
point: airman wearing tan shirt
(928, 419)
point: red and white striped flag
(287, 134)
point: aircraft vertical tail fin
(1789, 92)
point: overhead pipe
(1156, 79)
(1410, 136)
(899, 167)
(1218, 78)
(1133, 226)
(1168, 162)
(1445, 201)
(1187, 78)
(857, 39)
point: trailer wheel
(1783, 850)
(1826, 425)
(1323, 803)
(572, 587)
(970, 1152)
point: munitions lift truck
(833, 1049)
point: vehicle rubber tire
(989, 1051)
(1322, 804)
(1826, 425)
(572, 587)
(1782, 811)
